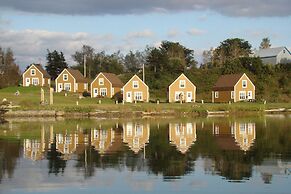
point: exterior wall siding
(95, 85)
(223, 96)
(61, 81)
(239, 88)
(175, 87)
(28, 75)
(128, 87)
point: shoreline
(136, 114)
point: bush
(86, 94)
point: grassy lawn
(29, 99)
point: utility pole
(143, 73)
(84, 65)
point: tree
(88, 52)
(56, 63)
(9, 70)
(231, 49)
(265, 43)
(207, 57)
(133, 61)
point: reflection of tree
(164, 158)
(55, 162)
(9, 153)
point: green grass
(29, 99)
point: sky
(31, 27)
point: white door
(128, 97)
(95, 92)
(250, 95)
(60, 87)
(189, 97)
(27, 81)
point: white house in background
(274, 55)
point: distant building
(233, 87)
(106, 85)
(274, 55)
(135, 90)
(102, 139)
(35, 75)
(182, 89)
(71, 80)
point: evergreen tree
(56, 63)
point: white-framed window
(101, 81)
(35, 81)
(32, 72)
(76, 86)
(242, 95)
(112, 91)
(183, 141)
(67, 86)
(103, 91)
(65, 77)
(232, 95)
(244, 83)
(139, 130)
(135, 84)
(216, 94)
(182, 84)
(138, 96)
(85, 86)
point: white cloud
(172, 33)
(141, 34)
(196, 32)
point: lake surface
(203, 155)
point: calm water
(206, 155)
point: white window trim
(102, 90)
(182, 82)
(216, 94)
(101, 81)
(242, 92)
(135, 83)
(33, 79)
(76, 86)
(85, 86)
(141, 96)
(64, 77)
(242, 83)
(32, 70)
(67, 84)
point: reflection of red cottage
(233, 87)
(35, 75)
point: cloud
(30, 46)
(173, 33)
(245, 8)
(141, 34)
(195, 32)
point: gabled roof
(77, 75)
(182, 74)
(115, 81)
(269, 52)
(226, 82)
(41, 69)
(138, 79)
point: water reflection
(235, 150)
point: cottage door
(128, 97)
(27, 82)
(250, 95)
(189, 97)
(60, 87)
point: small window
(35, 81)
(32, 72)
(65, 77)
(135, 84)
(232, 94)
(85, 86)
(182, 83)
(283, 51)
(67, 86)
(216, 94)
(101, 81)
(244, 83)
